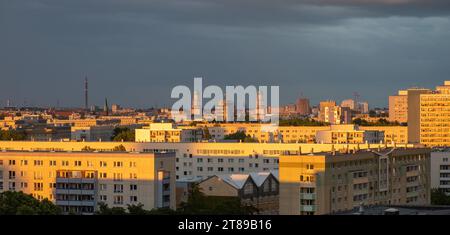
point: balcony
(360, 180)
(75, 191)
(308, 208)
(412, 173)
(76, 180)
(75, 203)
(308, 196)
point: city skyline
(134, 53)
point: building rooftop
(398, 210)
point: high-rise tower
(86, 103)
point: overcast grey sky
(135, 51)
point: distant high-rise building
(86, 102)
(106, 107)
(324, 109)
(115, 108)
(196, 106)
(303, 107)
(363, 107)
(349, 103)
(398, 107)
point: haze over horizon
(134, 52)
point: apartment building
(398, 107)
(83, 122)
(168, 132)
(92, 133)
(440, 170)
(434, 120)
(392, 134)
(331, 182)
(349, 134)
(414, 113)
(78, 181)
(259, 189)
(283, 134)
(198, 161)
(333, 114)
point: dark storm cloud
(135, 51)
(249, 12)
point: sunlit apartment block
(435, 117)
(331, 182)
(398, 107)
(349, 134)
(79, 181)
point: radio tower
(86, 104)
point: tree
(19, 203)
(206, 134)
(239, 135)
(131, 210)
(438, 197)
(12, 134)
(119, 148)
(379, 122)
(302, 122)
(123, 134)
(87, 149)
(103, 209)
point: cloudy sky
(135, 51)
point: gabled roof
(238, 180)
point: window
(52, 163)
(199, 160)
(220, 169)
(103, 198)
(89, 164)
(220, 160)
(65, 163)
(103, 187)
(133, 187)
(38, 186)
(103, 164)
(12, 162)
(12, 186)
(24, 162)
(102, 175)
(12, 175)
(132, 164)
(118, 177)
(38, 162)
(118, 164)
(133, 176)
(118, 188)
(77, 163)
(133, 198)
(118, 200)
